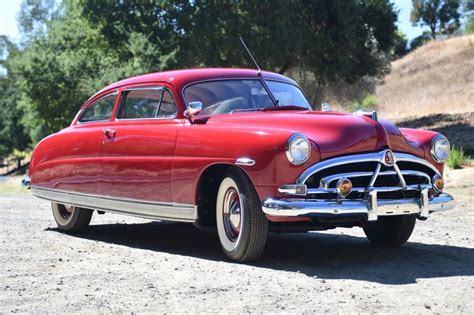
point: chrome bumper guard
(371, 207)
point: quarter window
(100, 110)
(147, 103)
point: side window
(168, 107)
(147, 103)
(100, 110)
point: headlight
(440, 148)
(298, 149)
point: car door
(74, 155)
(138, 146)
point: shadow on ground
(326, 256)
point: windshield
(228, 96)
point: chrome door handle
(109, 133)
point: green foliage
(12, 133)
(369, 102)
(400, 48)
(439, 15)
(420, 40)
(469, 26)
(468, 13)
(70, 51)
(332, 39)
(456, 158)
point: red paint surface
(162, 160)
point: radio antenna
(259, 74)
(250, 54)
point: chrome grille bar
(359, 158)
(380, 160)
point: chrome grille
(405, 178)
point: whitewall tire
(70, 218)
(241, 225)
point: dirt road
(124, 264)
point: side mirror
(194, 108)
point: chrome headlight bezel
(438, 153)
(293, 141)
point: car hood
(332, 132)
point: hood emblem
(388, 158)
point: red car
(240, 150)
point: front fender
(199, 146)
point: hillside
(433, 88)
(436, 78)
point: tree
(71, 51)
(58, 70)
(439, 15)
(468, 13)
(12, 133)
(333, 40)
(420, 40)
(400, 48)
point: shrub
(369, 102)
(456, 158)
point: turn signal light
(438, 183)
(344, 187)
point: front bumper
(371, 207)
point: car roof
(181, 78)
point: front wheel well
(207, 189)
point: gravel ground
(125, 265)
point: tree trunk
(433, 31)
(285, 67)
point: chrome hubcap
(232, 214)
(65, 210)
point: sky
(10, 8)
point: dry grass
(436, 78)
(11, 185)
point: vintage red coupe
(240, 150)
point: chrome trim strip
(367, 157)
(400, 176)
(424, 204)
(382, 207)
(147, 87)
(293, 190)
(245, 161)
(363, 189)
(325, 181)
(405, 157)
(376, 174)
(372, 214)
(183, 89)
(140, 208)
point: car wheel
(241, 223)
(391, 231)
(70, 218)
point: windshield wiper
(268, 109)
(243, 110)
(285, 107)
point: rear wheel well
(207, 193)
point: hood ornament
(372, 115)
(325, 107)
